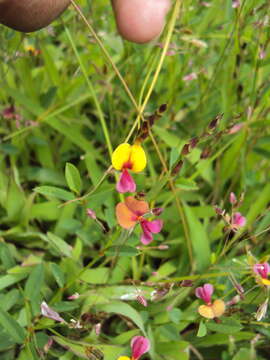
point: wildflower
(132, 212)
(46, 311)
(128, 157)
(238, 220)
(235, 128)
(32, 50)
(190, 77)
(91, 213)
(75, 296)
(139, 346)
(233, 199)
(262, 269)
(211, 309)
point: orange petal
(206, 311)
(125, 216)
(138, 207)
(218, 307)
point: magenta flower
(149, 228)
(238, 220)
(205, 293)
(262, 269)
(126, 183)
(139, 346)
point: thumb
(140, 21)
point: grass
(85, 92)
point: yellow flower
(131, 157)
(214, 310)
(124, 358)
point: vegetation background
(71, 107)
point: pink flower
(233, 199)
(262, 269)
(205, 293)
(46, 311)
(235, 128)
(238, 220)
(149, 228)
(190, 77)
(139, 346)
(91, 213)
(125, 183)
(235, 4)
(131, 212)
(142, 300)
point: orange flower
(209, 310)
(131, 212)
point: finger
(30, 15)
(140, 21)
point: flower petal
(238, 220)
(154, 226)
(139, 345)
(262, 269)
(146, 237)
(121, 156)
(123, 358)
(125, 217)
(138, 207)
(218, 307)
(137, 158)
(206, 311)
(126, 183)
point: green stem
(92, 91)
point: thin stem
(92, 91)
(177, 201)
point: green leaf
(124, 309)
(59, 244)
(56, 192)
(199, 239)
(95, 276)
(227, 326)
(11, 326)
(243, 354)
(202, 331)
(80, 348)
(122, 251)
(8, 280)
(73, 178)
(58, 274)
(34, 283)
(186, 184)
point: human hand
(139, 21)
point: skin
(138, 21)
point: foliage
(71, 111)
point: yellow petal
(124, 358)
(218, 307)
(265, 281)
(206, 311)
(137, 158)
(121, 155)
